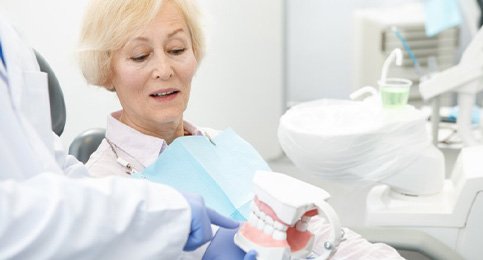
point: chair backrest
(57, 105)
(86, 143)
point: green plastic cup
(394, 92)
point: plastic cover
(352, 140)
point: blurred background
(262, 57)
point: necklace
(129, 166)
(120, 160)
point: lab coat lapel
(27, 85)
(28, 126)
(18, 160)
(38, 116)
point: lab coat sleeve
(68, 163)
(354, 246)
(51, 216)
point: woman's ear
(111, 87)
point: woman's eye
(177, 51)
(139, 58)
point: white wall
(239, 84)
(52, 27)
(319, 51)
(319, 47)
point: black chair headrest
(57, 104)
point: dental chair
(57, 105)
(84, 144)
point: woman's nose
(162, 68)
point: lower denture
(296, 240)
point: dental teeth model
(279, 218)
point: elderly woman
(147, 52)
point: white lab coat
(46, 215)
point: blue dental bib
(220, 170)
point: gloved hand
(201, 220)
(222, 247)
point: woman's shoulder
(103, 162)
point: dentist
(49, 209)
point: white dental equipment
(280, 215)
(355, 141)
(393, 92)
(415, 207)
(395, 55)
(428, 159)
(464, 79)
(374, 37)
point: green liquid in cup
(393, 97)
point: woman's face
(152, 73)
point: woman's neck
(166, 131)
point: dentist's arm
(201, 220)
(54, 217)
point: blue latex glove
(222, 247)
(201, 220)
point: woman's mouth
(165, 95)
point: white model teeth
(301, 226)
(262, 215)
(279, 226)
(305, 219)
(279, 235)
(252, 219)
(255, 210)
(266, 224)
(267, 229)
(268, 220)
(260, 224)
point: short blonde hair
(108, 24)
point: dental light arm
(465, 79)
(468, 70)
(278, 224)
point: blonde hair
(108, 24)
